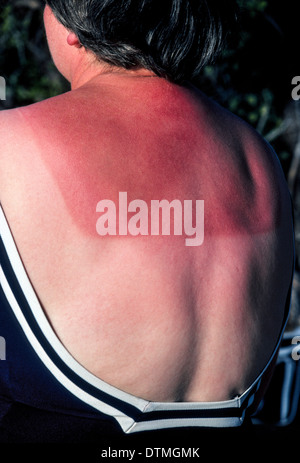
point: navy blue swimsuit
(46, 395)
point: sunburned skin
(147, 313)
(136, 153)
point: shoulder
(11, 135)
(247, 181)
(18, 145)
(10, 122)
(21, 126)
(249, 152)
(14, 126)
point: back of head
(173, 38)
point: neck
(91, 70)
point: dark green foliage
(24, 57)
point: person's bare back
(149, 314)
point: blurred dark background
(252, 78)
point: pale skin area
(148, 315)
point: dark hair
(173, 38)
